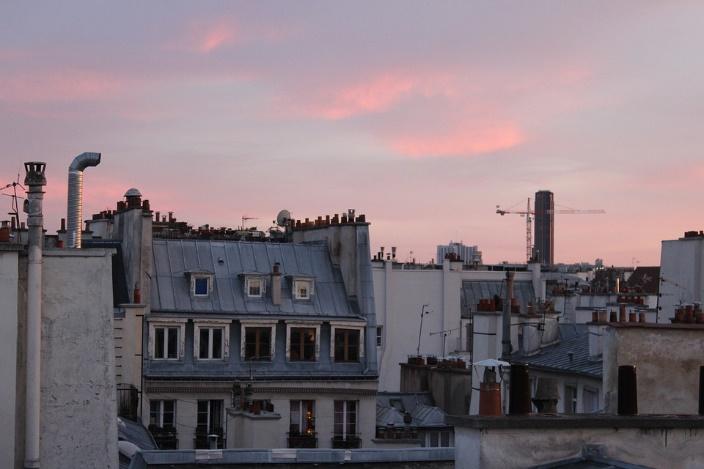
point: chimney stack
(519, 395)
(75, 195)
(276, 284)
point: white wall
(681, 265)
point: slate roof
(574, 338)
(229, 260)
(391, 407)
(475, 290)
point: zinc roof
(230, 262)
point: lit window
(303, 289)
(162, 413)
(210, 343)
(302, 344)
(166, 343)
(254, 287)
(302, 421)
(257, 343)
(346, 345)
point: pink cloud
(215, 37)
(376, 94)
(468, 140)
(58, 85)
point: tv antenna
(14, 203)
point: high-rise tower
(544, 227)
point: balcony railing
(297, 440)
(346, 442)
(203, 438)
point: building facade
(467, 254)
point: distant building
(544, 247)
(467, 254)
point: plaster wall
(681, 265)
(78, 395)
(9, 278)
(667, 361)
(134, 228)
(519, 448)
(128, 345)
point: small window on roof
(255, 287)
(201, 285)
(302, 289)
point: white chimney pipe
(74, 217)
(35, 181)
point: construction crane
(529, 213)
(245, 219)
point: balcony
(346, 442)
(166, 437)
(297, 440)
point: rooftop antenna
(14, 204)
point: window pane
(295, 351)
(201, 286)
(154, 413)
(159, 342)
(169, 412)
(351, 418)
(309, 346)
(338, 423)
(433, 439)
(216, 416)
(202, 413)
(255, 287)
(379, 336)
(445, 439)
(294, 426)
(204, 336)
(173, 343)
(346, 345)
(217, 343)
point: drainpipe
(36, 181)
(75, 196)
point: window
(209, 421)
(166, 343)
(302, 418)
(570, 399)
(200, 285)
(345, 419)
(346, 345)
(379, 336)
(302, 344)
(210, 343)
(303, 289)
(257, 343)
(162, 413)
(255, 287)
(442, 438)
(590, 400)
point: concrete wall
(78, 364)
(667, 360)
(9, 278)
(520, 448)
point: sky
(422, 115)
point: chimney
(546, 396)
(489, 394)
(276, 284)
(133, 199)
(75, 195)
(35, 181)
(506, 319)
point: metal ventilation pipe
(35, 182)
(75, 196)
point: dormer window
(255, 287)
(201, 283)
(303, 289)
(201, 286)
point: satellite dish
(283, 218)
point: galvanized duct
(74, 216)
